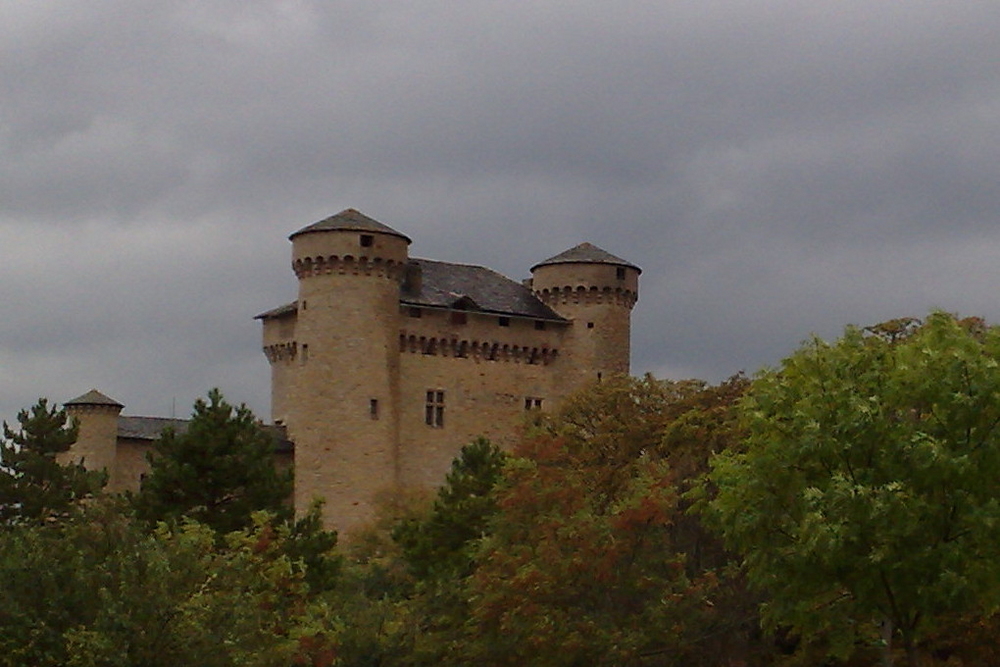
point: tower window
(590, 325)
(373, 408)
(620, 272)
(305, 353)
(367, 240)
(531, 403)
(434, 408)
(505, 321)
(539, 325)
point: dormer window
(367, 240)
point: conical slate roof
(586, 253)
(94, 397)
(349, 220)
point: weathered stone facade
(385, 365)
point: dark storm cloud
(775, 167)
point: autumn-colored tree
(585, 562)
(865, 501)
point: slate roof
(586, 253)
(350, 220)
(464, 286)
(448, 285)
(94, 397)
(150, 429)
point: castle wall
(485, 373)
(131, 465)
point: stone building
(385, 365)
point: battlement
(308, 267)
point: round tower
(96, 443)
(343, 407)
(596, 291)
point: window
(367, 240)
(305, 353)
(416, 312)
(373, 408)
(531, 403)
(434, 408)
(590, 325)
(505, 321)
(539, 325)
(620, 272)
(458, 317)
(304, 304)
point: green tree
(34, 486)
(218, 472)
(866, 500)
(101, 590)
(441, 545)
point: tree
(102, 590)
(592, 558)
(34, 486)
(218, 472)
(865, 503)
(441, 544)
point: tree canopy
(218, 472)
(866, 500)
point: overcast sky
(776, 168)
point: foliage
(218, 472)
(34, 486)
(868, 490)
(100, 589)
(440, 545)
(592, 558)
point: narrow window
(305, 353)
(434, 408)
(373, 408)
(620, 271)
(539, 325)
(367, 240)
(505, 321)
(304, 305)
(458, 317)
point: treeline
(841, 509)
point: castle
(386, 365)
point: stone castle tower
(386, 365)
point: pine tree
(218, 472)
(34, 486)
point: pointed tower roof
(94, 397)
(586, 253)
(349, 220)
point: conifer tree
(218, 472)
(34, 486)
